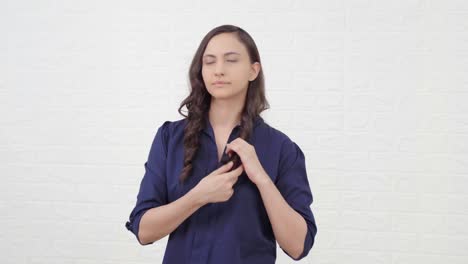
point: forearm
(289, 226)
(160, 221)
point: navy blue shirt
(237, 230)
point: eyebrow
(225, 54)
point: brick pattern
(374, 92)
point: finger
(229, 149)
(236, 172)
(233, 181)
(225, 167)
(233, 175)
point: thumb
(225, 167)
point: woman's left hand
(249, 158)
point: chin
(220, 90)
(218, 95)
(223, 92)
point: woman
(214, 210)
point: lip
(220, 83)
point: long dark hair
(198, 101)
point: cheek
(239, 79)
(205, 76)
(242, 74)
(203, 71)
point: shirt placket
(205, 237)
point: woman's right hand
(217, 186)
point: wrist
(264, 181)
(196, 197)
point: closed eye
(228, 61)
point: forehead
(224, 43)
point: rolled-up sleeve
(153, 191)
(293, 184)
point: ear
(255, 70)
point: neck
(225, 113)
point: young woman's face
(226, 60)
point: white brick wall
(375, 92)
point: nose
(219, 69)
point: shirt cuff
(134, 225)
